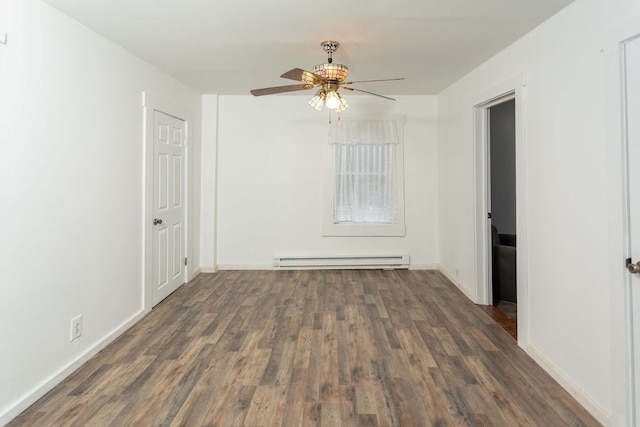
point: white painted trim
(482, 238)
(572, 388)
(222, 267)
(482, 195)
(628, 310)
(363, 230)
(44, 387)
(151, 103)
(208, 269)
(482, 293)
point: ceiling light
(343, 104)
(332, 100)
(318, 101)
(328, 77)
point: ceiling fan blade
(370, 93)
(367, 81)
(280, 89)
(303, 76)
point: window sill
(363, 230)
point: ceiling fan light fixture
(333, 100)
(328, 77)
(318, 100)
(343, 104)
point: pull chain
(339, 117)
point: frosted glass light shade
(332, 101)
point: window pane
(365, 183)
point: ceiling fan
(329, 77)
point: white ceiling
(230, 47)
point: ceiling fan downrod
(330, 46)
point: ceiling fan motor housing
(335, 72)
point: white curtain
(364, 171)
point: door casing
(623, 411)
(510, 89)
(630, 284)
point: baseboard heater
(340, 262)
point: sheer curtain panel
(364, 172)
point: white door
(168, 205)
(632, 95)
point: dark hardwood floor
(505, 314)
(326, 348)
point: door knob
(633, 268)
(159, 221)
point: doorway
(501, 170)
(504, 103)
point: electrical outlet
(76, 328)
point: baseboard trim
(40, 390)
(245, 267)
(433, 266)
(465, 290)
(572, 388)
(209, 269)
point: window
(364, 189)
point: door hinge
(185, 260)
(489, 215)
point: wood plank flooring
(311, 348)
(508, 320)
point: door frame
(622, 369)
(632, 388)
(623, 411)
(511, 89)
(150, 104)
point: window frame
(332, 229)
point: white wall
(71, 191)
(270, 165)
(208, 161)
(566, 198)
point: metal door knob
(159, 221)
(633, 268)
